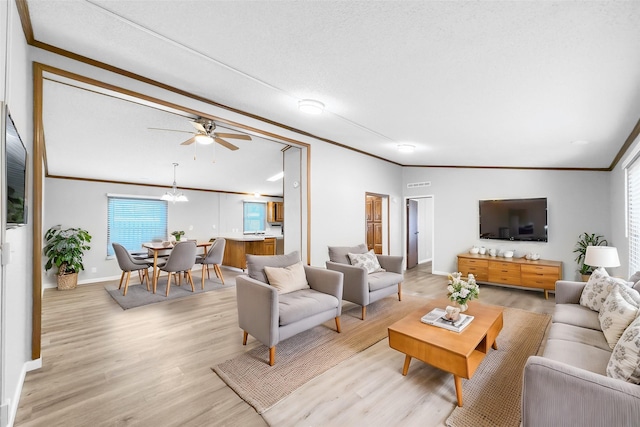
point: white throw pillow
(287, 279)
(617, 312)
(624, 363)
(597, 289)
(368, 260)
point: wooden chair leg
(204, 266)
(245, 334)
(169, 283)
(145, 275)
(216, 268)
(188, 273)
(121, 279)
(126, 285)
(364, 312)
(208, 272)
(272, 355)
(140, 276)
(338, 324)
(400, 291)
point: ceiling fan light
(310, 106)
(204, 139)
(406, 148)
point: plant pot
(585, 277)
(67, 281)
(177, 238)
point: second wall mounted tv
(514, 219)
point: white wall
(83, 204)
(16, 303)
(577, 201)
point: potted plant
(64, 249)
(585, 240)
(177, 235)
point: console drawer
(477, 267)
(504, 272)
(540, 276)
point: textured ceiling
(468, 83)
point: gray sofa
(271, 317)
(568, 384)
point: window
(133, 221)
(633, 218)
(255, 217)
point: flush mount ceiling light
(310, 106)
(406, 148)
(174, 195)
(276, 177)
(203, 139)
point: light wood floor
(103, 366)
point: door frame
(405, 226)
(386, 227)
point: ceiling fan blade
(233, 136)
(189, 141)
(172, 130)
(199, 127)
(224, 143)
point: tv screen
(514, 219)
(16, 175)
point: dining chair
(213, 257)
(181, 259)
(128, 264)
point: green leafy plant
(65, 249)
(177, 234)
(585, 240)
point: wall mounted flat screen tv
(16, 155)
(514, 219)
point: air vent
(419, 184)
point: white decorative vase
(463, 307)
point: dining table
(157, 247)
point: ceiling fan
(205, 134)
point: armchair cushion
(382, 279)
(366, 260)
(256, 264)
(303, 304)
(340, 253)
(287, 279)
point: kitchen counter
(237, 248)
(252, 237)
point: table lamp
(602, 256)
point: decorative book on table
(436, 317)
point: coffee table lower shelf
(457, 353)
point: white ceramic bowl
(508, 254)
(474, 250)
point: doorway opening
(419, 227)
(377, 222)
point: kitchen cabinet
(275, 211)
(236, 249)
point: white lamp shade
(602, 256)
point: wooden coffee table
(457, 353)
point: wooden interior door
(373, 215)
(412, 233)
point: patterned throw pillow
(287, 279)
(624, 363)
(368, 260)
(597, 289)
(617, 312)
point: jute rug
(310, 353)
(492, 396)
(137, 294)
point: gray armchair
(271, 317)
(362, 288)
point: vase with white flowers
(461, 291)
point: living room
(589, 199)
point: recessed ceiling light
(580, 142)
(276, 177)
(406, 148)
(310, 106)
(204, 139)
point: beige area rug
(310, 353)
(492, 395)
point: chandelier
(174, 195)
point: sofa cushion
(383, 279)
(339, 253)
(367, 260)
(562, 331)
(579, 355)
(299, 305)
(577, 315)
(617, 312)
(287, 279)
(597, 289)
(624, 363)
(256, 263)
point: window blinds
(633, 202)
(132, 222)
